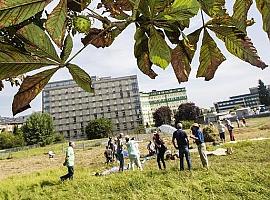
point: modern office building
(245, 100)
(71, 107)
(151, 101)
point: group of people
(228, 124)
(157, 146)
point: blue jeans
(184, 151)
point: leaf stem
(203, 19)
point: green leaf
(141, 52)
(13, 12)
(160, 52)
(56, 23)
(30, 88)
(240, 9)
(210, 57)
(213, 8)
(264, 8)
(180, 10)
(238, 44)
(37, 42)
(14, 62)
(67, 48)
(81, 77)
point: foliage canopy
(38, 129)
(30, 37)
(162, 115)
(98, 128)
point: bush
(139, 130)
(59, 138)
(187, 124)
(98, 128)
(209, 135)
(39, 129)
(9, 140)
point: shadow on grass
(48, 183)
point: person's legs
(158, 160)
(162, 159)
(70, 172)
(121, 160)
(203, 155)
(231, 135)
(69, 175)
(138, 162)
(187, 155)
(181, 157)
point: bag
(65, 163)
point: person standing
(182, 144)
(111, 146)
(197, 135)
(69, 162)
(119, 151)
(108, 155)
(230, 129)
(221, 131)
(133, 153)
(160, 149)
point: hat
(196, 125)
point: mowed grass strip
(243, 175)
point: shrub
(98, 128)
(209, 135)
(139, 130)
(59, 138)
(9, 140)
(187, 124)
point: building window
(95, 115)
(74, 119)
(109, 109)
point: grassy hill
(243, 175)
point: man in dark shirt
(182, 144)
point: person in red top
(160, 149)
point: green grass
(243, 175)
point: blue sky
(233, 77)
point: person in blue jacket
(197, 135)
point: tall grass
(243, 175)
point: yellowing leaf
(241, 8)
(179, 10)
(210, 57)
(81, 77)
(14, 62)
(141, 52)
(13, 12)
(160, 52)
(214, 8)
(56, 23)
(264, 8)
(239, 44)
(30, 88)
(37, 42)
